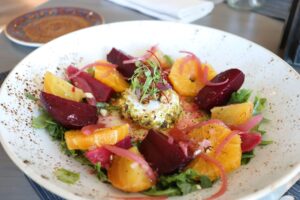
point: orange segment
(185, 79)
(234, 114)
(75, 139)
(230, 157)
(61, 88)
(128, 175)
(111, 77)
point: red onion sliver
(221, 146)
(133, 60)
(153, 54)
(203, 74)
(184, 147)
(250, 123)
(154, 48)
(134, 157)
(188, 52)
(209, 83)
(89, 129)
(144, 57)
(223, 188)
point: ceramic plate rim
(285, 179)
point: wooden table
(257, 28)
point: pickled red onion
(221, 146)
(144, 57)
(153, 54)
(133, 60)
(189, 57)
(209, 83)
(223, 188)
(250, 123)
(134, 157)
(184, 147)
(203, 73)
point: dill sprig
(145, 80)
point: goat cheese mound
(156, 114)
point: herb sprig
(146, 79)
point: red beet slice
(103, 156)
(99, 155)
(100, 91)
(249, 141)
(117, 57)
(211, 96)
(70, 114)
(163, 156)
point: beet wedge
(70, 114)
(100, 91)
(211, 96)
(163, 156)
(117, 57)
(250, 141)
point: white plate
(274, 169)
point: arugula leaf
(240, 96)
(259, 105)
(66, 176)
(265, 142)
(246, 157)
(42, 121)
(30, 96)
(205, 182)
(101, 172)
(257, 129)
(55, 130)
(179, 184)
(155, 191)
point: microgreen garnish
(146, 79)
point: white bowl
(274, 169)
